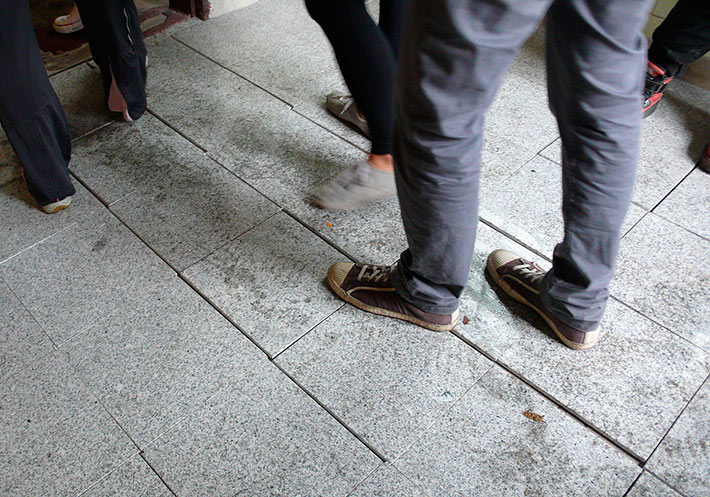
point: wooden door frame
(193, 8)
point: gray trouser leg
(595, 67)
(454, 56)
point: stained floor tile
(502, 438)
(355, 364)
(262, 436)
(270, 281)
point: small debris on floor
(534, 416)
(466, 320)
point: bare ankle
(382, 162)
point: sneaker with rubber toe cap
(370, 289)
(521, 279)
(57, 206)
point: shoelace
(373, 274)
(530, 271)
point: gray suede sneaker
(345, 108)
(369, 288)
(355, 187)
(521, 279)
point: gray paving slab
(129, 480)
(24, 224)
(631, 386)
(649, 486)
(490, 319)
(262, 436)
(270, 281)
(671, 141)
(182, 203)
(21, 339)
(689, 204)
(528, 205)
(299, 68)
(81, 94)
(373, 234)
(82, 275)
(683, 458)
(56, 438)
(388, 380)
(154, 362)
(274, 149)
(502, 438)
(387, 481)
(661, 272)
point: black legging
(683, 37)
(366, 54)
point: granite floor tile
(528, 205)
(683, 458)
(661, 272)
(55, 438)
(129, 480)
(671, 141)
(270, 281)
(373, 234)
(649, 486)
(490, 319)
(182, 203)
(156, 361)
(300, 67)
(689, 204)
(82, 275)
(81, 94)
(355, 362)
(631, 386)
(262, 436)
(21, 339)
(279, 152)
(502, 428)
(387, 481)
(24, 224)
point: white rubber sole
(384, 312)
(592, 335)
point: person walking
(30, 112)
(455, 54)
(367, 54)
(681, 39)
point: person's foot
(355, 187)
(369, 288)
(345, 108)
(57, 206)
(521, 279)
(116, 102)
(70, 23)
(656, 82)
(704, 162)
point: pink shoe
(70, 23)
(116, 102)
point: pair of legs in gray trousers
(454, 56)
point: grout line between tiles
(513, 238)
(332, 414)
(676, 420)
(633, 484)
(294, 109)
(231, 70)
(142, 456)
(652, 209)
(17, 297)
(104, 477)
(663, 480)
(579, 418)
(319, 235)
(307, 332)
(95, 130)
(167, 123)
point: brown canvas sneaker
(521, 279)
(369, 288)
